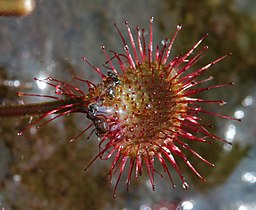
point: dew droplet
(19, 93)
(222, 103)
(20, 133)
(164, 42)
(179, 26)
(58, 90)
(126, 48)
(185, 185)
(151, 19)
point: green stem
(41, 108)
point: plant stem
(41, 108)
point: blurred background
(43, 170)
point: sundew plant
(142, 109)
